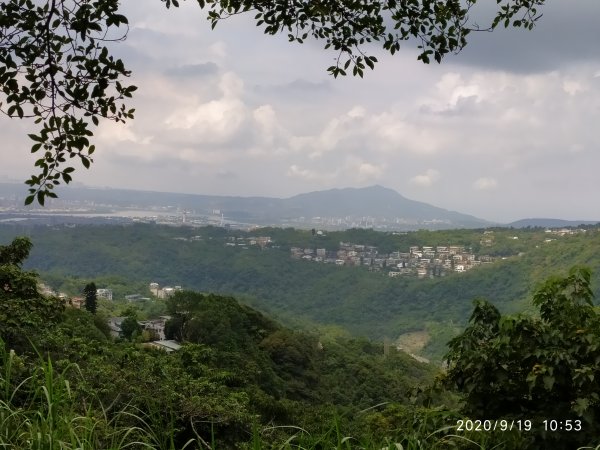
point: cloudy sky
(505, 130)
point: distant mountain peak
(373, 206)
(373, 189)
(378, 203)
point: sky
(505, 130)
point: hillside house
(165, 345)
(114, 323)
(155, 326)
(76, 302)
(104, 293)
(136, 298)
(164, 292)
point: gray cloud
(566, 34)
(193, 70)
(298, 86)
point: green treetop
(23, 310)
(536, 367)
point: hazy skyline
(505, 130)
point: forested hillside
(64, 378)
(238, 379)
(309, 294)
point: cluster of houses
(163, 292)
(565, 231)
(261, 241)
(154, 328)
(106, 293)
(77, 301)
(426, 261)
(562, 232)
(233, 241)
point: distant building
(136, 298)
(154, 288)
(104, 293)
(166, 345)
(114, 323)
(165, 292)
(156, 326)
(263, 241)
(76, 302)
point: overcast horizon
(503, 131)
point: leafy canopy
(539, 368)
(57, 69)
(23, 310)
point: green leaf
(580, 406)
(548, 382)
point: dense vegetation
(242, 380)
(541, 368)
(237, 369)
(330, 298)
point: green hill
(239, 379)
(67, 384)
(315, 295)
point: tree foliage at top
(56, 67)
(540, 368)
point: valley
(360, 300)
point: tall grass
(39, 411)
(413, 436)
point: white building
(104, 293)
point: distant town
(425, 261)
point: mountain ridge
(417, 209)
(373, 206)
(545, 222)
